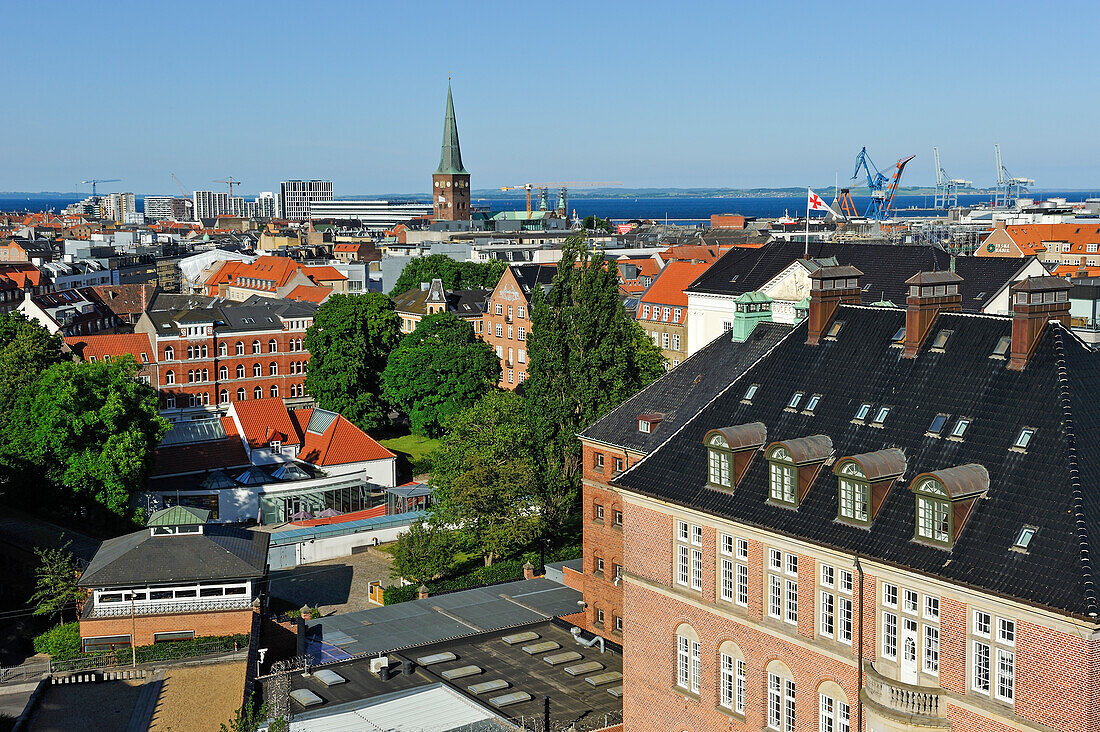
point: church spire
(450, 159)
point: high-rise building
(116, 206)
(173, 208)
(296, 195)
(266, 206)
(451, 181)
(210, 204)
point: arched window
(190, 376)
(240, 394)
(223, 349)
(240, 371)
(169, 377)
(255, 346)
(274, 391)
(223, 396)
(256, 371)
(853, 492)
(781, 697)
(257, 393)
(718, 473)
(273, 369)
(272, 346)
(206, 397)
(783, 475)
(834, 713)
(240, 348)
(731, 677)
(206, 374)
(169, 353)
(223, 373)
(204, 351)
(688, 658)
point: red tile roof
(342, 442)
(264, 420)
(323, 273)
(278, 270)
(115, 344)
(695, 252)
(1031, 238)
(306, 293)
(201, 456)
(21, 273)
(1074, 270)
(668, 288)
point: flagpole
(806, 253)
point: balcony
(194, 605)
(919, 706)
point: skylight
(1002, 346)
(811, 405)
(881, 416)
(937, 424)
(1024, 437)
(863, 410)
(1027, 533)
(795, 399)
(960, 427)
(941, 339)
(751, 391)
(899, 336)
(837, 325)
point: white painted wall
(329, 547)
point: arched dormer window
(863, 482)
(729, 452)
(945, 499)
(793, 466)
(854, 493)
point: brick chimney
(830, 287)
(1035, 301)
(930, 293)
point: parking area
(334, 585)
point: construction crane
(882, 195)
(230, 182)
(947, 188)
(94, 181)
(178, 184)
(1009, 188)
(562, 192)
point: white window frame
(890, 635)
(931, 648)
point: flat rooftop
(584, 686)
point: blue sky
(651, 94)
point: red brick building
(879, 523)
(507, 320)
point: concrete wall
(329, 547)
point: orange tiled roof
(323, 273)
(341, 443)
(202, 456)
(695, 252)
(1031, 238)
(1074, 270)
(274, 269)
(306, 293)
(346, 247)
(21, 273)
(264, 420)
(668, 288)
(114, 344)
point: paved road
(334, 585)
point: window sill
(617, 527)
(598, 521)
(689, 695)
(740, 717)
(781, 504)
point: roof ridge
(1065, 398)
(713, 399)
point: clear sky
(673, 94)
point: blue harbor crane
(882, 189)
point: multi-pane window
(889, 595)
(696, 569)
(993, 658)
(683, 661)
(834, 715)
(726, 580)
(828, 617)
(718, 472)
(782, 483)
(933, 519)
(909, 603)
(788, 706)
(696, 665)
(775, 702)
(739, 700)
(1006, 675)
(931, 649)
(980, 671)
(889, 635)
(783, 591)
(727, 682)
(775, 596)
(689, 555)
(853, 494)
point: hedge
(61, 642)
(504, 571)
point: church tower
(451, 182)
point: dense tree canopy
(586, 357)
(348, 343)
(484, 476)
(438, 370)
(455, 275)
(423, 553)
(88, 427)
(55, 590)
(26, 350)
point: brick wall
(602, 539)
(227, 622)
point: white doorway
(909, 652)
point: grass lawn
(414, 446)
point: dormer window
(719, 460)
(783, 477)
(863, 481)
(793, 466)
(944, 501)
(644, 426)
(276, 446)
(729, 452)
(854, 494)
(648, 422)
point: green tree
(484, 476)
(26, 350)
(55, 590)
(594, 223)
(348, 344)
(438, 370)
(89, 427)
(248, 719)
(586, 357)
(423, 553)
(455, 275)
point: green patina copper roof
(752, 297)
(450, 159)
(178, 516)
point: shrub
(185, 649)
(62, 642)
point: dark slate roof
(1051, 486)
(684, 390)
(229, 317)
(531, 275)
(463, 303)
(218, 553)
(885, 268)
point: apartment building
(881, 523)
(507, 320)
(662, 310)
(431, 298)
(209, 204)
(295, 197)
(167, 208)
(269, 277)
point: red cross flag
(815, 202)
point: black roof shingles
(1050, 486)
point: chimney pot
(1035, 301)
(930, 293)
(830, 287)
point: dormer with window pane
(793, 466)
(864, 481)
(945, 499)
(729, 452)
